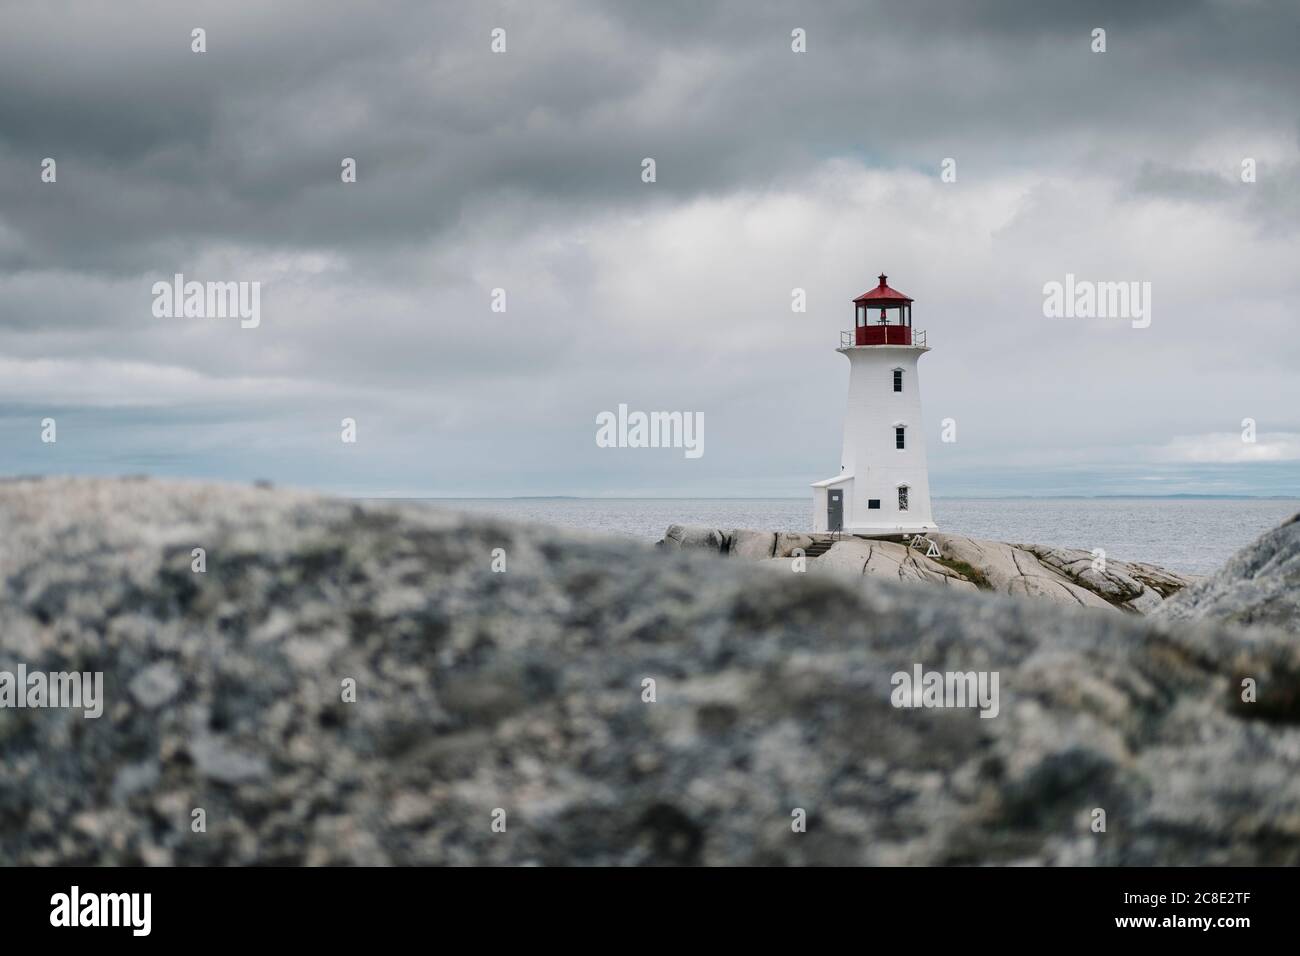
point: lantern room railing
(883, 335)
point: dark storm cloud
(1273, 204)
(161, 148)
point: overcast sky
(522, 170)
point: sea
(1191, 535)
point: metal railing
(849, 339)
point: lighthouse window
(902, 498)
(899, 440)
(873, 504)
(898, 379)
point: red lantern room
(873, 322)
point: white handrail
(849, 339)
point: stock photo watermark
(945, 689)
(75, 690)
(133, 911)
(1086, 299)
(625, 429)
(208, 300)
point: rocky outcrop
(888, 559)
(694, 536)
(788, 542)
(1013, 570)
(739, 542)
(1259, 585)
(751, 544)
(604, 702)
(1129, 585)
(1058, 575)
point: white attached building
(883, 485)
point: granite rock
(1260, 584)
(526, 692)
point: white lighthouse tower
(883, 486)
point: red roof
(883, 294)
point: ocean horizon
(1188, 534)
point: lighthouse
(883, 486)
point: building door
(835, 510)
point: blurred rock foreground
(523, 691)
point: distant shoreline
(1184, 497)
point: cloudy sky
(522, 171)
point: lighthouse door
(835, 510)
